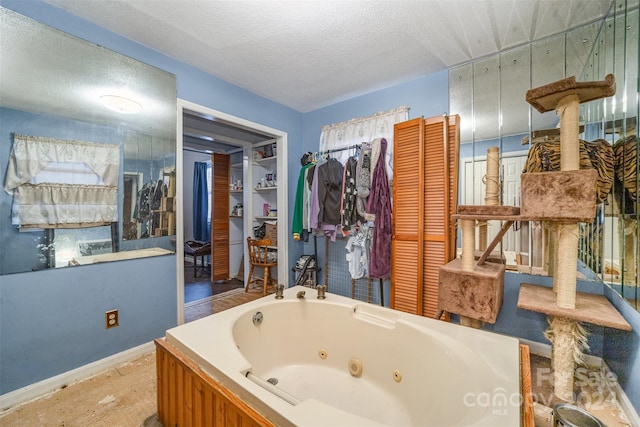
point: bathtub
(341, 362)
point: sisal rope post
(491, 180)
(468, 260)
(568, 236)
(492, 196)
(568, 109)
(468, 244)
(569, 340)
(566, 253)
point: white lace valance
(31, 155)
(64, 206)
(365, 129)
(62, 184)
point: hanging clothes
(297, 226)
(379, 204)
(142, 210)
(349, 212)
(316, 207)
(329, 179)
(358, 247)
(363, 180)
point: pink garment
(380, 204)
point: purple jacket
(380, 204)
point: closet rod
(336, 150)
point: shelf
(265, 159)
(590, 308)
(236, 166)
(236, 191)
(266, 218)
(235, 216)
(261, 189)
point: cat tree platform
(590, 308)
(546, 98)
(559, 196)
(475, 294)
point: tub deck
(201, 368)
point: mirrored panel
(608, 248)
(88, 151)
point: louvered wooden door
(424, 196)
(406, 246)
(220, 217)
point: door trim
(283, 179)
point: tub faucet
(300, 294)
(321, 291)
(279, 291)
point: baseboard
(36, 390)
(544, 350)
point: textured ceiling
(308, 54)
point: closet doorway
(202, 133)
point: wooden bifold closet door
(425, 194)
(219, 217)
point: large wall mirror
(489, 96)
(87, 148)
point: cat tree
(474, 289)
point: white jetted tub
(341, 362)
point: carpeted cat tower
(566, 198)
(474, 289)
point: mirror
(54, 95)
(489, 96)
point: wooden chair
(197, 249)
(258, 257)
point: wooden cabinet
(426, 160)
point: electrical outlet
(111, 319)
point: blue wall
(53, 321)
(622, 349)
(145, 290)
(427, 96)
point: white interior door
(511, 170)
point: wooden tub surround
(187, 396)
(442, 375)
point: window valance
(62, 183)
(339, 136)
(31, 154)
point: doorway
(201, 132)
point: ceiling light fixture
(121, 104)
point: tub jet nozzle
(257, 318)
